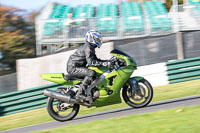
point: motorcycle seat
(68, 77)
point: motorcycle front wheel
(61, 111)
(141, 100)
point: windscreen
(116, 51)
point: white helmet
(94, 37)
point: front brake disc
(141, 95)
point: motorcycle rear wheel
(61, 111)
(136, 101)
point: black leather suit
(78, 62)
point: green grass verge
(178, 120)
(40, 115)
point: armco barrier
(24, 100)
(183, 70)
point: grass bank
(40, 115)
(178, 120)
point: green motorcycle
(105, 89)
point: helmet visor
(97, 39)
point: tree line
(17, 36)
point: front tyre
(135, 100)
(61, 111)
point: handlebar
(114, 63)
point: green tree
(16, 36)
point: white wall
(29, 70)
(156, 74)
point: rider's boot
(80, 96)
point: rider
(83, 57)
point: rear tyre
(61, 111)
(138, 101)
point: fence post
(38, 49)
(179, 44)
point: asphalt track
(155, 106)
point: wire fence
(72, 30)
(111, 28)
(185, 17)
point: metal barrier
(160, 24)
(181, 17)
(24, 100)
(111, 28)
(185, 17)
(183, 70)
(63, 32)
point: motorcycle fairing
(121, 77)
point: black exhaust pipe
(59, 96)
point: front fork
(134, 87)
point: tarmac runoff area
(152, 107)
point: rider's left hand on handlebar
(108, 63)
